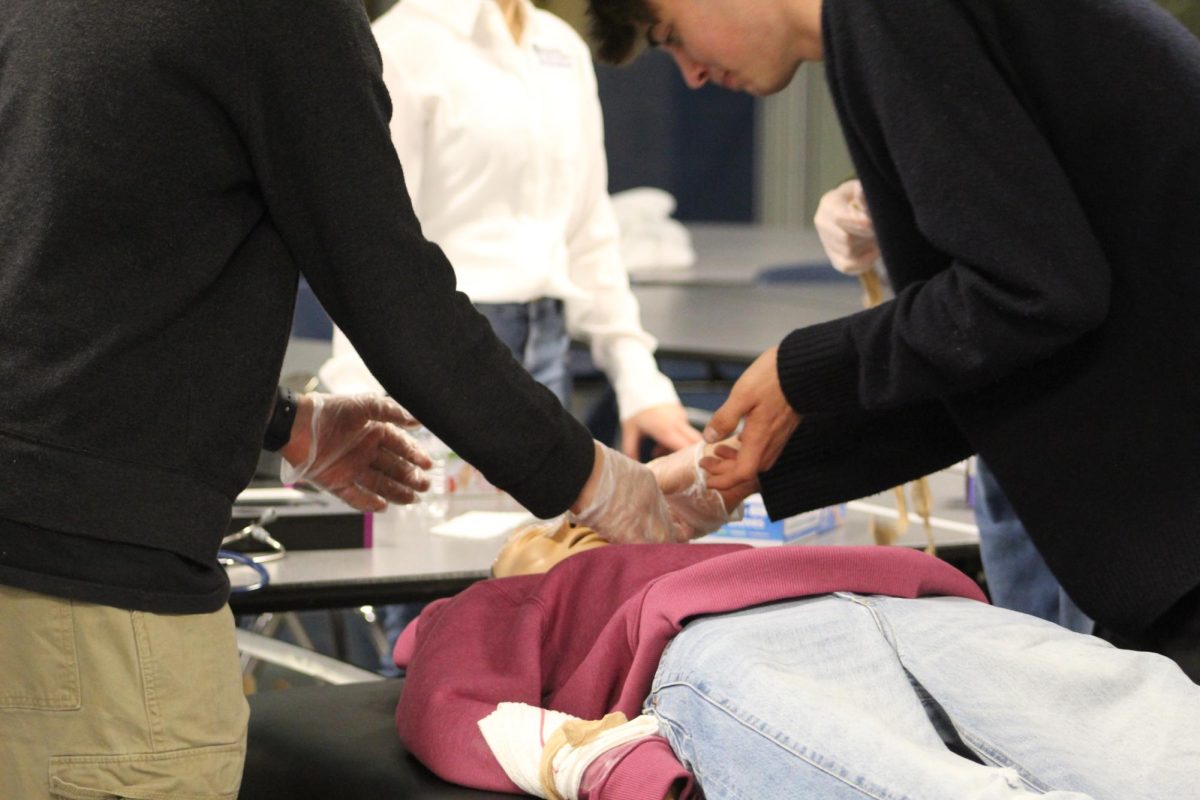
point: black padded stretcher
(338, 742)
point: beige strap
(901, 509)
(872, 288)
(923, 504)
(576, 732)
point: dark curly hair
(618, 28)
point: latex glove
(769, 421)
(844, 225)
(666, 424)
(695, 507)
(353, 446)
(621, 501)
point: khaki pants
(97, 703)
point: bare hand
(769, 421)
(712, 461)
(666, 424)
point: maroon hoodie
(585, 639)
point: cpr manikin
(516, 731)
(550, 754)
(728, 671)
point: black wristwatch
(279, 429)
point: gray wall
(800, 153)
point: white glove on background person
(844, 225)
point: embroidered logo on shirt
(552, 56)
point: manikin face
(752, 46)
(539, 547)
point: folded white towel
(644, 202)
(650, 239)
(663, 245)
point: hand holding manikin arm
(697, 508)
(848, 236)
(758, 402)
(622, 502)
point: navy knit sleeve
(834, 458)
(995, 262)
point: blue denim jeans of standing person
(846, 697)
(1017, 575)
(536, 333)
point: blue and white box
(756, 528)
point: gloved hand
(353, 446)
(844, 225)
(622, 502)
(694, 507)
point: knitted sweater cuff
(799, 480)
(555, 485)
(818, 368)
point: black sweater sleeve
(316, 124)
(833, 458)
(996, 265)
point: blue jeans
(536, 333)
(846, 697)
(1017, 575)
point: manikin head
(753, 46)
(538, 547)
(681, 476)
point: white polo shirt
(502, 145)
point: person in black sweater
(167, 171)
(1017, 575)
(1033, 173)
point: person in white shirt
(497, 124)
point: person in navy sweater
(1031, 171)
